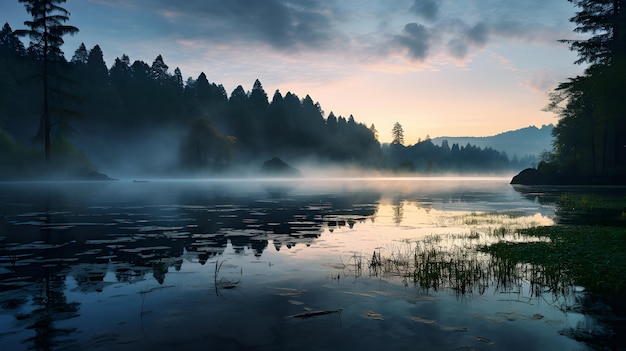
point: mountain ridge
(521, 142)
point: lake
(271, 264)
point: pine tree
(81, 55)
(258, 97)
(591, 133)
(46, 31)
(158, 70)
(96, 67)
(397, 134)
(10, 44)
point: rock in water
(276, 167)
(530, 176)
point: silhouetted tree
(397, 134)
(10, 43)
(258, 97)
(81, 55)
(177, 79)
(97, 71)
(120, 73)
(158, 71)
(374, 131)
(591, 133)
(12, 70)
(46, 31)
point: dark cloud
(366, 30)
(283, 24)
(415, 39)
(427, 9)
(452, 36)
(467, 37)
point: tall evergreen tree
(81, 55)
(177, 79)
(258, 97)
(46, 31)
(397, 134)
(96, 67)
(10, 44)
(120, 73)
(591, 134)
(158, 71)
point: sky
(438, 67)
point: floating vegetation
(592, 209)
(589, 256)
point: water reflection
(65, 246)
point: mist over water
(266, 264)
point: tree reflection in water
(94, 237)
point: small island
(278, 168)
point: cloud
(415, 40)
(463, 38)
(364, 31)
(426, 9)
(541, 82)
(282, 24)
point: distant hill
(521, 142)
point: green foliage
(204, 149)
(590, 256)
(21, 163)
(591, 133)
(68, 162)
(14, 158)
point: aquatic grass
(589, 256)
(453, 262)
(502, 253)
(596, 209)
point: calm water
(272, 264)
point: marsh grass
(592, 209)
(433, 264)
(589, 256)
(461, 263)
(502, 252)
(589, 250)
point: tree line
(425, 157)
(590, 137)
(135, 111)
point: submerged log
(315, 313)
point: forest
(590, 137)
(76, 117)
